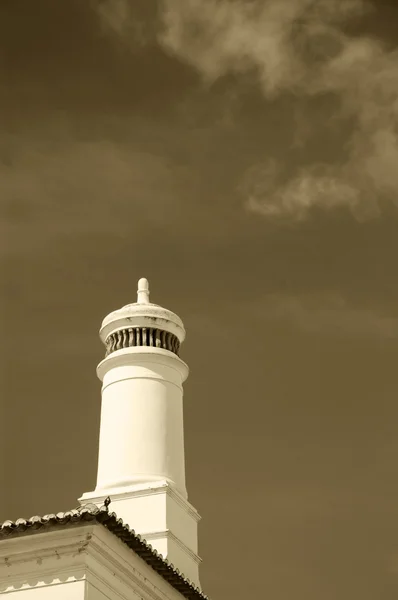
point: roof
(92, 514)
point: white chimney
(141, 463)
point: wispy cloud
(126, 19)
(328, 313)
(302, 47)
(280, 39)
(317, 185)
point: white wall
(84, 562)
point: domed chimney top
(142, 323)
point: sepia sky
(243, 156)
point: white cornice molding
(112, 555)
(136, 491)
(48, 557)
(173, 493)
(142, 355)
(78, 552)
(153, 535)
(104, 564)
(71, 540)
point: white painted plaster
(162, 517)
(80, 562)
(142, 432)
(141, 461)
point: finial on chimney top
(143, 291)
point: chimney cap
(142, 313)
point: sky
(243, 156)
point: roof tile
(91, 513)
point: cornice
(136, 491)
(108, 561)
(65, 534)
(90, 553)
(142, 355)
(153, 535)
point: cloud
(115, 14)
(220, 36)
(329, 313)
(302, 48)
(129, 20)
(317, 186)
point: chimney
(141, 463)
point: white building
(91, 553)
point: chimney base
(160, 515)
